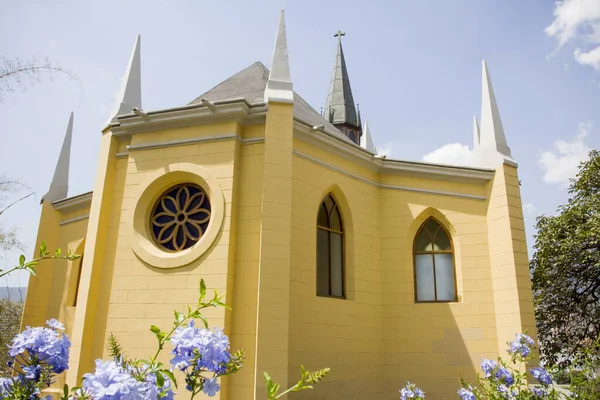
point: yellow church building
(330, 255)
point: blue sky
(414, 66)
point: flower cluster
(196, 350)
(521, 345)
(37, 355)
(113, 381)
(411, 391)
(467, 393)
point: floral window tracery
(180, 217)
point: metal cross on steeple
(339, 35)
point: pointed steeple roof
(493, 148)
(339, 107)
(366, 141)
(279, 86)
(59, 186)
(130, 95)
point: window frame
(433, 253)
(329, 232)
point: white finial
(130, 95)
(476, 135)
(493, 148)
(279, 86)
(59, 186)
(366, 141)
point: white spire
(60, 181)
(476, 135)
(130, 94)
(279, 86)
(366, 141)
(493, 148)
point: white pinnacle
(130, 95)
(279, 86)
(493, 148)
(366, 141)
(59, 186)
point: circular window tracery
(180, 217)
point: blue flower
(200, 347)
(43, 345)
(111, 382)
(154, 392)
(466, 394)
(541, 375)
(488, 367)
(54, 324)
(211, 386)
(5, 387)
(538, 392)
(521, 345)
(504, 392)
(411, 391)
(504, 375)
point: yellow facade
(266, 172)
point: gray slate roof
(250, 84)
(340, 102)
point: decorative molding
(349, 151)
(384, 186)
(73, 203)
(189, 115)
(184, 142)
(69, 221)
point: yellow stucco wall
(263, 258)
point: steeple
(366, 141)
(339, 107)
(279, 86)
(130, 95)
(60, 181)
(493, 148)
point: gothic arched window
(330, 249)
(434, 264)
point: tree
(19, 74)
(565, 269)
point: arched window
(330, 250)
(434, 264)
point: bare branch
(17, 74)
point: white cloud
(529, 209)
(451, 153)
(591, 58)
(561, 164)
(385, 151)
(578, 19)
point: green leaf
(66, 390)
(57, 253)
(43, 248)
(30, 270)
(171, 376)
(202, 290)
(22, 260)
(160, 379)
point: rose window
(180, 217)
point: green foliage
(584, 373)
(307, 379)
(565, 270)
(43, 254)
(10, 321)
(115, 350)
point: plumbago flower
(411, 391)
(505, 379)
(37, 355)
(203, 355)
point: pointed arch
(331, 248)
(75, 275)
(434, 264)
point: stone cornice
(73, 203)
(189, 115)
(356, 154)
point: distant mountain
(13, 293)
